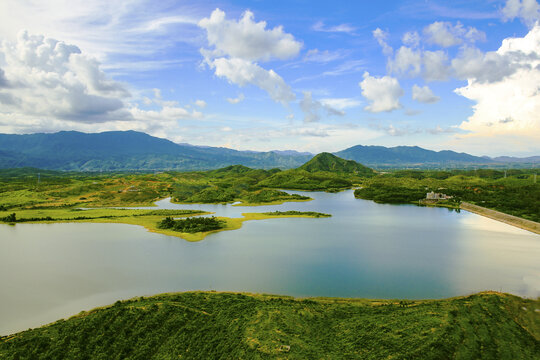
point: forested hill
(206, 325)
(127, 150)
(329, 162)
(409, 155)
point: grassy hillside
(206, 325)
(331, 163)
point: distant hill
(127, 150)
(408, 155)
(511, 159)
(329, 162)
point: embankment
(505, 218)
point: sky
(274, 75)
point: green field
(207, 325)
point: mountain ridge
(132, 150)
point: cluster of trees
(11, 218)
(192, 224)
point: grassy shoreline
(148, 219)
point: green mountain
(209, 325)
(409, 156)
(126, 150)
(331, 163)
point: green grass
(206, 325)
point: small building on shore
(437, 196)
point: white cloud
(446, 34)
(200, 103)
(52, 78)
(381, 36)
(528, 11)
(341, 103)
(326, 56)
(406, 62)
(53, 86)
(492, 66)
(242, 72)
(507, 105)
(423, 94)
(411, 38)
(236, 100)
(247, 39)
(101, 27)
(382, 92)
(238, 44)
(341, 28)
(312, 108)
(435, 65)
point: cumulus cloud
(507, 103)
(474, 64)
(237, 45)
(423, 94)
(312, 108)
(435, 65)
(446, 34)
(383, 93)
(242, 72)
(53, 85)
(55, 79)
(247, 39)
(236, 100)
(528, 11)
(4, 83)
(406, 62)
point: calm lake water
(50, 271)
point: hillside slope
(206, 325)
(331, 163)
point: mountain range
(131, 150)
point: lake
(50, 271)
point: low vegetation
(206, 325)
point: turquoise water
(50, 271)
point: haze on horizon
(308, 76)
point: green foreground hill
(208, 325)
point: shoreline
(524, 224)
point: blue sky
(305, 75)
